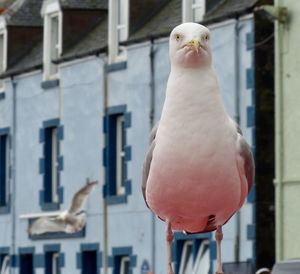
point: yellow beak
(194, 44)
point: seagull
(70, 221)
(199, 169)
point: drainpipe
(13, 169)
(237, 119)
(105, 213)
(279, 156)
(152, 117)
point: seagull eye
(177, 36)
(206, 37)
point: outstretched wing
(46, 224)
(80, 197)
(147, 162)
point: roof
(25, 14)
(87, 4)
(229, 7)
(170, 16)
(94, 42)
(95, 39)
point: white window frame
(54, 164)
(117, 53)
(51, 9)
(3, 31)
(202, 258)
(120, 154)
(55, 256)
(186, 257)
(5, 265)
(123, 261)
(189, 7)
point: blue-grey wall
(79, 102)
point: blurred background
(82, 82)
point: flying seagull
(199, 168)
(69, 221)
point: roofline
(16, 72)
(80, 55)
(232, 15)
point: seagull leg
(219, 238)
(169, 238)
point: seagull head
(190, 46)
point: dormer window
(3, 50)
(118, 29)
(193, 10)
(52, 38)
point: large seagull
(199, 168)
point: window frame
(5, 267)
(51, 159)
(117, 185)
(51, 194)
(50, 10)
(119, 255)
(89, 247)
(117, 53)
(187, 244)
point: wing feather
(80, 197)
(147, 162)
(46, 224)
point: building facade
(70, 110)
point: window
(52, 262)
(192, 256)
(4, 170)
(193, 10)
(51, 164)
(118, 29)
(26, 263)
(51, 151)
(122, 260)
(4, 264)
(52, 38)
(116, 154)
(89, 262)
(124, 265)
(186, 262)
(119, 122)
(89, 259)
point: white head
(190, 46)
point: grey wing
(46, 224)
(80, 197)
(147, 161)
(246, 154)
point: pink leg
(169, 238)
(219, 238)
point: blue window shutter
(3, 170)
